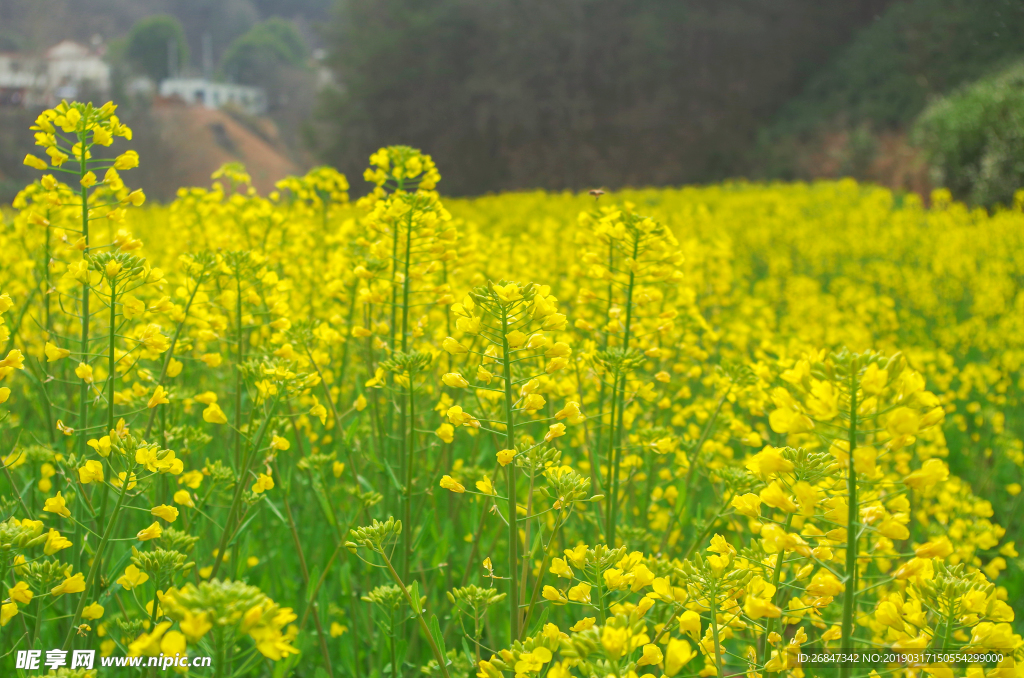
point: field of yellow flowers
(722, 431)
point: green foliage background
(571, 94)
(267, 45)
(974, 139)
(148, 46)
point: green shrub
(251, 57)
(973, 139)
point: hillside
(852, 114)
(180, 146)
(186, 144)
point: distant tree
(154, 44)
(288, 36)
(267, 46)
(221, 20)
(513, 94)
(974, 139)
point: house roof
(69, 49)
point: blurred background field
(522, 95)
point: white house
(72, 68)
(22, 79)
(65, 71)
(202, 92)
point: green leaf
(443, 547)
(314, 577)
(537, 625)
(391, 473)
(435, 631)
(414, 593)
(325, 506)
(275, 510)
(400, 648)
(241, 530)
(285, 667)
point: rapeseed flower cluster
(664, 432)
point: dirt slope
(183, 145)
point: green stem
(46, 285)
(394, 655)
(170, 352)
(409, 455)
(156, 590)
(707, 529)
(852, 530)
(405, 417)
(540, 579)
(318, 585)
(616, 462)
(39, 621)
(714, 635)
(620, 395)
(949, 629)
(475, 546)
(348, 340)
(14, 487)
(334, 410)
(415, 606)
(528, 549)
(16, 326)
(375, 418)
(111, 361)
(406, 283)
(220, 669)
(92, 579)
(356, 640)
(305, 577)
(240, 486)
(238, 369)
(83, 405)
(610, 483)
(394, 288)
(510, 480)
(770, 624)
(682, 506)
